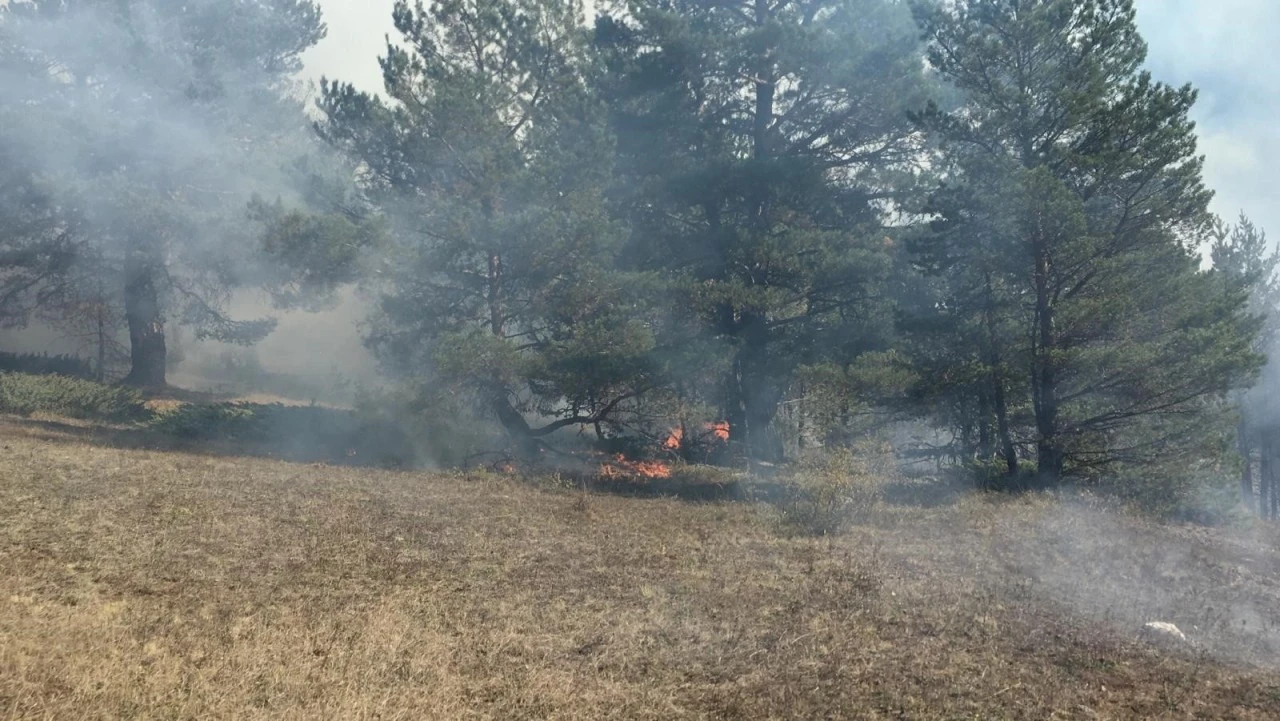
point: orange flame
(620, 466)
(674, 440)
(719, 429)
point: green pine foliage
(1064, 242)
(146, 126)
(492, 157)
(804, 220)
(760, 147)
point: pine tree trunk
(765, 88)
(1266, 471)
(1007, 448)
(1049, 453)
(759, 396)
(513, 421)
(147, 353)
(509, 416)
(1246, 467)
(759, 393)
(494, 295)
(999, 403)
(764, 439)
(101, 308)
(986, 445)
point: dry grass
(152, 584)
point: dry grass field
(155, 584)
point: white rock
(1159, 630)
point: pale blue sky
(1226, 48)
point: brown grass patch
(152, 584)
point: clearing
(140, 583)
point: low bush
(1197, 493)
(208, 421)
(25, 394)
(830, 489)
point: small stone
(1162, 631)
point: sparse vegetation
(25, 394)
(155, 584)
(828, 490)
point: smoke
(157, 132)
(1090, 558)
(309, 356)
(149, 126)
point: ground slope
(150, 584)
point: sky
(1226, 48)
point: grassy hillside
(138, 583)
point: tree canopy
(148, 125)
(779, 221)
(1067, 229)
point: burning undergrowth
(651, 478)
(618, 475)
(682, 464)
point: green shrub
(208, 421)
(1198, 492)
(25, 394)
(830, 489)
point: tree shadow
(318, 435)
(303, 445)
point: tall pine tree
(490, 155)
(1245, 260)
(149, 123)
(1075, 186)
(761, 143)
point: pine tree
(1245, 260)
(761, 142)
(490, 157)
(150, 123)
(37, 247)
(1075, 184)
